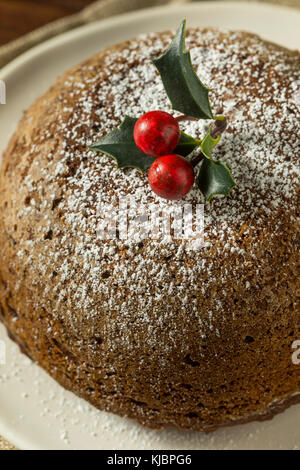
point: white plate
(35, 412)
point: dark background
(18, 17)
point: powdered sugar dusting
(258, 92)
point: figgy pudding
(153, 330)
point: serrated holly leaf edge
(181, 32)
(213, 141)
(234, 184)
(208, 155)
(94, 148)
(120, 167)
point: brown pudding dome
(170, 336)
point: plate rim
(106, 23)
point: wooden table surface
(18, 17)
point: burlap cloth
(96, 11)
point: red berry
(171, 176)
(156, 133)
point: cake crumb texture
(149, 328)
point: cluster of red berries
(157, 134)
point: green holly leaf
(186, 145)
(207, 145)
(183, 86)
(120, 145)
(214, 178)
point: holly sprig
(214, 176)
(120, 144)
(189, 96)
(183, 86)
